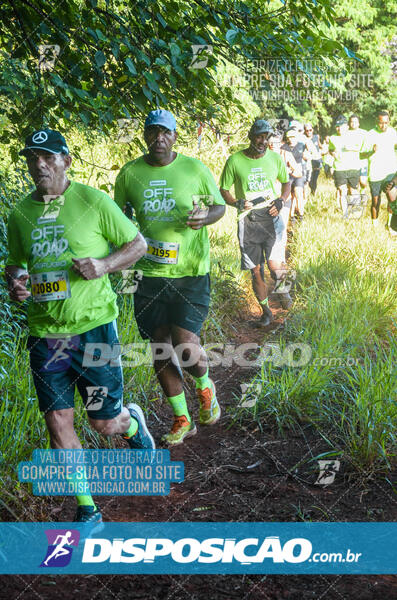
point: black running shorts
(181, 301)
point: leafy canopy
(119, 59)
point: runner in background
(306, 164)
(174, 198)
(344, 148)
(275, 142)
(328, 159)
(391, 193)
(254, 173)
(314, 146)
(299, 128)
(299, 152)
(379, 148)
(354, 126)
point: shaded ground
(196, 587)
(234, 474)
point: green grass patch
(345, 317)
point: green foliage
(118, 60)
(366, 28)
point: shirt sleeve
(115, 226)
(208, 187)
(228, 176)
(120, 195)
(15, 248)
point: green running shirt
(253, 177)
(347, 148)
(384, 161)
(161, 198)
(43, 238)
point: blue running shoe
(87, 514)
(142, 440)
(90, 519)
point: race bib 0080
(53, 285)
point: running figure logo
(51, 209)
(48, 53)
(95, 397)
(328, 470)
(200, 55)
(59, 551)
(59, 353)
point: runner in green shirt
(174, 198)
(345, 147)
(58, 240)
(379, 148)
(254, 172)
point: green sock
(203, 381)
(179, 406)
(85, 501)
(82, 499)
(264, 302)
(132, 429)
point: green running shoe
(210, 411)
(181, 429)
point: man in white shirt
(379, 148)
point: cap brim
(161, 125)
(24, 150)
(254, 132)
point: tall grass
(345, 312)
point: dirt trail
(219, 486)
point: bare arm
(307, 153)
(232, 201)
(285, 190)
(124, 257)
(228, 198)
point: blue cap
(161, 117)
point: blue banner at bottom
(198, 548)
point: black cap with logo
(261, 126)
(340, 120)
(45, 139)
